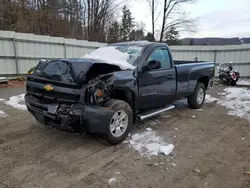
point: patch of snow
(155, 153)
(2, 100)
(182, 103)
(167, 149)
(210, 99)
(135, 136)
(244, 82)
(111, 180)
(111, 56)
(173, 164)
(148, 143)
(3, 114)
(148, 129)
(17, 102)
(237, 100)
(223, 93)
(199, 109)
(176, 128)
(193, 116)
(131, 142)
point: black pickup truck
(99, 97)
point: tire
(120, 107)
(195, 101)
(233, 83)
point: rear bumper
(94, 119)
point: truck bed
(188, 72)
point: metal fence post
(15, 54)
(215, 55)
(65, 50)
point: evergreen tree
(136, 35)
(172, 36)
(113, 33)
(149, 37)
(127, 23)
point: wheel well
(204, 80)
(121, 95)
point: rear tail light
(233, 76)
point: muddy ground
(212, 149)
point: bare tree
(80, 19)
(174, 16)
(153, 4)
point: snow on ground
(111, 56)
(2, 100)
(3, 114)
(237, 100)
(111, 180)
(210, 99)
(244, 82)
(17, 102)
(148, 143)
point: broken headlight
(97, 91)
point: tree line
(93, 20)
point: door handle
(170, 76)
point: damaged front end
(74, 117)
(59, 94)
(71, 116)
(70, 96)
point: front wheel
(196, 100)
(120, 123)
(233, 83)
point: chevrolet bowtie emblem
(48, 87)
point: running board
(155, 112)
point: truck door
(157, 86)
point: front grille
(55, 83)
(52, 97)
(62, 93)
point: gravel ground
(212, 149)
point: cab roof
(132, 43)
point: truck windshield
(133, 51)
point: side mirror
(151, 65)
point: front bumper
(94, 119)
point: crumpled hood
(69, 70)
(111, 56)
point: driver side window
(161, 55)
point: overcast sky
(216, 18)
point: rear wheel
(120, 123)
(233, 83)
(196, 100)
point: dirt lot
(212, 149)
